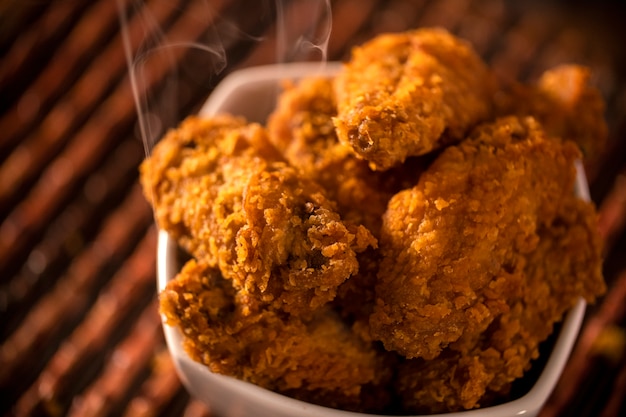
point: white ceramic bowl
(251, 93)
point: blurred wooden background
(80, 333)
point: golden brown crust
(302, 128)
(408, 93)
(565, 265)
(483, 244)
(275, 234)
(497, 249)
(449, 242)
(566, 103)
(317, 360)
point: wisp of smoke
(176, 50)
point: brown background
(80, 333)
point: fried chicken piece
(302, 128)
(565, 265)
(565, 103)
(222, 190)
(408, 93)
(316, 360)
(454, 243)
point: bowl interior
(252, 93)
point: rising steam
(176, 50)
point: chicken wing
(302, 128)
(317, 359)
(400, 238)
(565, 265)
(454, 243)
(222, 190)
(408, 93)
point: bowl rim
(167, 268)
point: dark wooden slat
(580, 365)
(353, 14)
(14, 16)
(52, 389)
(615, 406)
(124, 366)
(94, 28)
(68, 234)
(32, 49)
(612, 211)
(50, 135)
(111, 120)
(197, 409)
(158, 390)
(47, 320)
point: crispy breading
(565, 265)
(483, 244)
(567, 105)
(405, 94)
(317, 359)
(275, 234)
(452, 244)
(302, 128)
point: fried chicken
(220, 188)
(408, 93)
(302, 128)
(454, 243)
(565, 265)
(468, 190)
(565, 103)
(317, 360)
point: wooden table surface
(80, 332)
